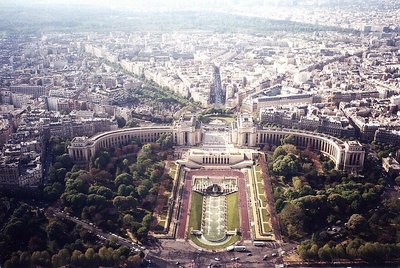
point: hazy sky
(148, 4)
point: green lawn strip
(260, 188)
(264, 214)
(163, 215)
(172, 173)
(267, 227)
(263, 201)
(195, 211)
(229, 242)
(233, 212)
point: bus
(259, 243)
(240, 248)
(230, 248)
(236, 248)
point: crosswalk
(273, 245)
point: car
(265, 257)
(217, 259)
(237, 258)
(177, 263)
(249, 254)
(274, 255)
(233, 259)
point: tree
(352, 248)
(339, 251)
(123, 203)
(101, 190)
(134, 261)
(76, 258)
(102, 159)
(357, 223)
(288, 139)
(25, 259)
(142, 191)
(55, 231)
(292, 218)
(285, 165)
(397, 180)
(147, 183)
(41, 258)
(90, 257)
(278, 152)
(62, 258)
(290, 149)
(165, 141)
(297, 183)
(392, 205)
(65, 160)
(122, 190)
(328, 165)
(132, 123)
(147, 220)
(78, 200)
(121, 122)
(123, 178)
(96, 200)
(307, 250)
(324, 253)
(142, 233)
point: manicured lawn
(265, 214)
(260, 188)
(263, 201)
(267, 227)
(164, 214)
(195, 211)
(233, 211)
(229, 242)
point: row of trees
(352, 249)
(104, 256)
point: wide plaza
(221, 202)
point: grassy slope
(233, 211)
(195, 211)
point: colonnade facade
(83, 148)
(216, 160)
(347, 155)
